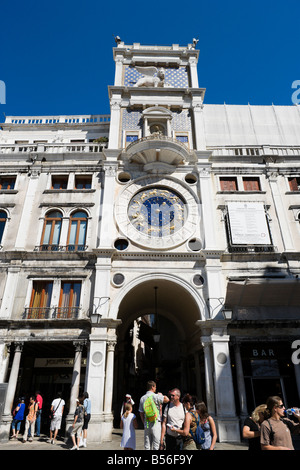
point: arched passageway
(157, 340)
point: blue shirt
(20, 413)
(87, 406)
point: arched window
(77, 231)
(51, 231)
(3, 219)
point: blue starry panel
(132, 120)
(181, 121)
(177, 78)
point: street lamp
(95, 314)
(227, 314)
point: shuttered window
(228, 183)
(251, 184)
(294, 184)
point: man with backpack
(149, 409)
(174, 415)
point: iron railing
(68, 248)
(51, 313)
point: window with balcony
(77, 231)
(40, 300)
(59, 182)
(51, 231)
(7, 183)
(69, 300)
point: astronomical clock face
(157, 212)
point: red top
(39, 400)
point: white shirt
(175, 416)
(58, 405)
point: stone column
(208, 369)
(199, 128)
(208, 210)
(4, 360)
(281, 212)
(10, 394)
(119, 70)
(115, 118)
(75, 383)
(194, 73)
(28, 206)
(12, 384)
(240, 383)
(95, 380)
(107, 226)
(76, 375)
(227, 421)
(9, 291)
(107, 426)
(109, 376)
(198, 376)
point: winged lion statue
(149, 79)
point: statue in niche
(157, 129)
(149, 79)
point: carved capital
(78, 345)
(111, 345)
(19, 346)
(115, 105)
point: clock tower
(157, 251)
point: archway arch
(149, 305)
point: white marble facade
(86, 171)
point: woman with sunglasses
(276, 429)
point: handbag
(52, 412)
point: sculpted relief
(149, 78)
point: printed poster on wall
(248, 223)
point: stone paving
(42, 444)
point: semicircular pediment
(157, 111)
(158, 148)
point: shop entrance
(47, 368)
(268, 371)
(156, 341)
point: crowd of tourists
(27, 418)
(171, 422)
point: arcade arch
(157, 339)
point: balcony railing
(50, 313)
(84, 147)
(70, 119)
(55, 248)
(251, 248)
(248, 151)
(154, 137)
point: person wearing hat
(128, 399)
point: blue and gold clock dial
(157, 212)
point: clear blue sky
(56, 57)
